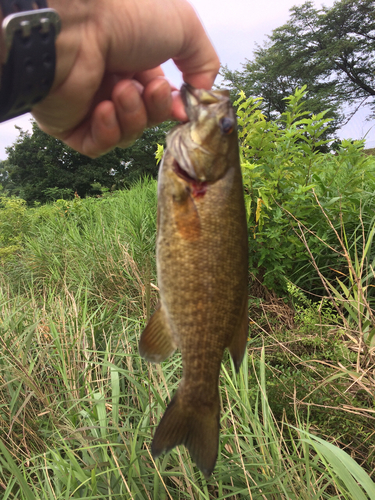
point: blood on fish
(198, 189)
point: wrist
(74, 16)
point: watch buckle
(26, 21)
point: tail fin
(197, 427)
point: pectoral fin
(156, 342)
(184, 212)
(238, 344)
(186, 218)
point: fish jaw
(201, 146)
(193, 98)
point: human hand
(109, 85)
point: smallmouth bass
(202, 265)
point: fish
(202, 269)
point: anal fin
(237, 347)
(156, 342)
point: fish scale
(202, 261)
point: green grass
(105, 245)
(78, 406)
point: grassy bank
(78, 406)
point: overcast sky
(234, 28)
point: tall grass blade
(11, 466)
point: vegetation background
(78, 406)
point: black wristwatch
(28, 69)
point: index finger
(197, 60)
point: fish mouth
(192, 97)
(190, 143)
(183, 149)
(182, 173)
(188, 96)
(185, 175)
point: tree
(40, 167)
(140, 157)
(331, 51)
(39, 163)
(4, 176)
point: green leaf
(159, 153)
(11, 466)
(347, 469)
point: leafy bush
(13, 224)
(284, 166)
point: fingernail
(138, 86)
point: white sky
(234, 28)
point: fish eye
(226, 125)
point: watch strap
(13, 6)
(29, 69)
